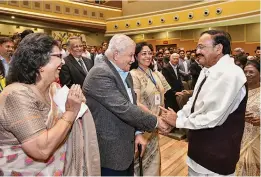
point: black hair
(242, 59)
(32, 53)
(25, 33)
(254, 63)
(138, 48)
(220, 37)
(5, 39)
(158, 53)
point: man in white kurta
(219, 98)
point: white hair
(119, 42)
(239, 50)
(250, 57)
(174, 54)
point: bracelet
(67, 121)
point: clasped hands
(167, 120)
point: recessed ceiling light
(13, 17)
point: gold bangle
(67, 121)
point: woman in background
(150, 88)
(249, 163)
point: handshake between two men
(166, 121)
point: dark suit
(72, 72)
(176, 86)
(115, 117)
(195, 71)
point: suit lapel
(172, 71)
(76, 64)
(118, 78)
(87, 63)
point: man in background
(76, 67)
(6, 52)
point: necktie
(199, 88)
(83, 67)
(128, 81)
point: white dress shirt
(220, 96)
(185, 66)
(86, 54)
(78, 60)
(174, 68)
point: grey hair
(119, 42)
(174, 54)
(239, 50)
(70, 40)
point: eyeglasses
(57, 55)
(77, 46)
(201, 47)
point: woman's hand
(74, 99)
(256, 121)
(249, 116)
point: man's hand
(169, 116)
(163, 127)
(139, 139)
(179, 93)
(186, 92)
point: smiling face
(50, 72)
(76, 48)
(207, 52)
(144, 57)
(7, 49)
(252, 74)
(125, 58)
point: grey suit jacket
(115, 117)
(182, 70)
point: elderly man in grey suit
(112, 101)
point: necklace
(43, 95)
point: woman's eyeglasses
(57, 55)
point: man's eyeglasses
(77, 46)
(201, 47)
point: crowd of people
(133, 94)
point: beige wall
(244, 36)
(8, 30)
(94, 39)
(140, 6)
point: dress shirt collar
(77, 59)
(173, 66)
(122, 73)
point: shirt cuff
(138, 133)
(180, 121)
